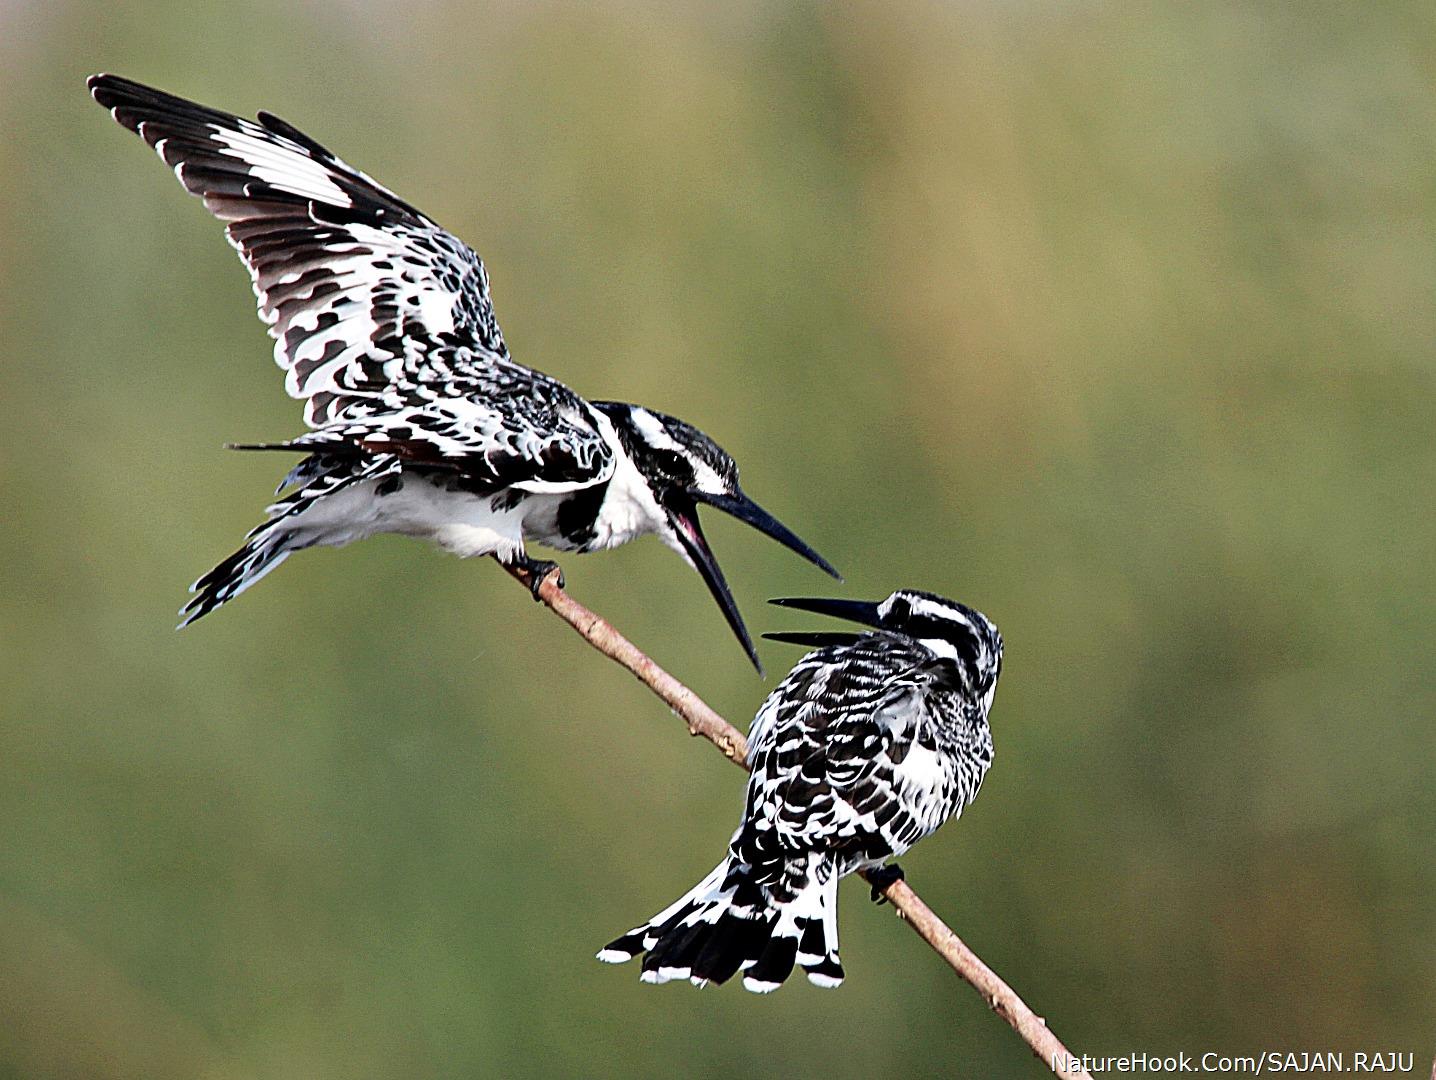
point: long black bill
(745, 509)
(860, 611)
(685, 523)
(814, 640)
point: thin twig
(702, 720)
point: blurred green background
(1115, 323)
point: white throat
(629, 509)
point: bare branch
(599, 632)
(702, 720)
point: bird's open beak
(862, 611)
(684, 517)
(746, 510)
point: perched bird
(421, 422)
(869, 744)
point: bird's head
(682, 468)
(964, 639)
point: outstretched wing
(827, 755)
(362, 293)
(381, 319)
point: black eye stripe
(969, 642)
(922, 626)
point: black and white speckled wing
(508, 429)
(381, 319)
(362, 292)
(839, 761)
(869, 744)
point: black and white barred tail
(271, 542)
(728, 923)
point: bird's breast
(627, 511)
(433, 507)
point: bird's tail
(271, 542)
(729, 923)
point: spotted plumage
(422, 424)
(870, 743)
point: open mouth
(746, 510)
(859, 611)
(690, 534)
(683, 513)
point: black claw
(880, 877)
(538, 571)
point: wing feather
(320, 238)
(823, 753)
(381, 320)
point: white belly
(457, 521)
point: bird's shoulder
(839, 689)
(501, 426)
(840, 749)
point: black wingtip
(132, 102)
(110, 90)
(99, 85)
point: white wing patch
(436, 310)
(364, 295)
(280, 163)
(382, 320)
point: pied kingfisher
(869, 744)
(422, 423)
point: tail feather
(672, 956)
(265, 549)
(271, 542)
(728, 947)
(642, 938)
(774, 964)
(729, 923)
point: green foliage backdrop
(1115, 321)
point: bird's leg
(880, 877)
(538, 571)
